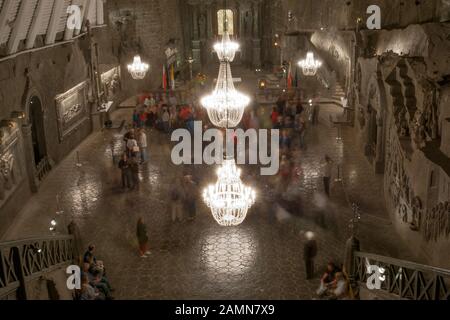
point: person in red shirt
(274, 116)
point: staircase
(404, 280)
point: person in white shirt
(142, 142)
(173, 100)
(166, 120)
(340, 291)
(132, 146)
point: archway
(36, 120)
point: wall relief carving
(72, 109)
(10, 169)
(433, 224)
(437, 222)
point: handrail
(23, 260)
(403, 278)
(403, 263)
(11, 243)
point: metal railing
(405, 279)
(25, 260)
(43, 168)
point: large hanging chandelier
(310, 65)
(229, 199)
(225, 106)
(226, 49)
(138, 69)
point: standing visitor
(134, 168)
(124, 166)
(254, 120)
(300, 128)
(309, 253)
(189, 197)
(132, 146)
(135, 118)
(173, 117)
(327, 168)
(142, 143)
(142, 237)
(166, 120)
(176, 201)
(274, 117)
(173, 100)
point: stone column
(196, 45)
(379, 158)
(256, 41)
(241, 17)
(209, 21)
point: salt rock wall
(415, 128)
(145, 28)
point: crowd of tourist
(94, 283)
(165, 114)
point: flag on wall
(289, 77)
(164, 78)
(172, 77)
(296, 78)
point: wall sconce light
(18, 115)
(7, 124)
(262, 84)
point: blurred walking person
(309, 254)
(141, 233)
(327, 168)
(142, 143)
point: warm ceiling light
(226, 105)
(310, 65)
(226, 49)
(229, 199)
(138, 69)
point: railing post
(18, 269)
(352, 245)
(77, 244)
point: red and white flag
(289, 77)
(164, 78)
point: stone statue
(202, 25)
(416, 214)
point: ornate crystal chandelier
(310, 65)
(226, 50)
(225, 106)
(229, 199)
(138, 69)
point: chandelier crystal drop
(229, 199)
(138, 69)
(310, 65)
(226, 49)
(225, 106)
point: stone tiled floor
(261, 259)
